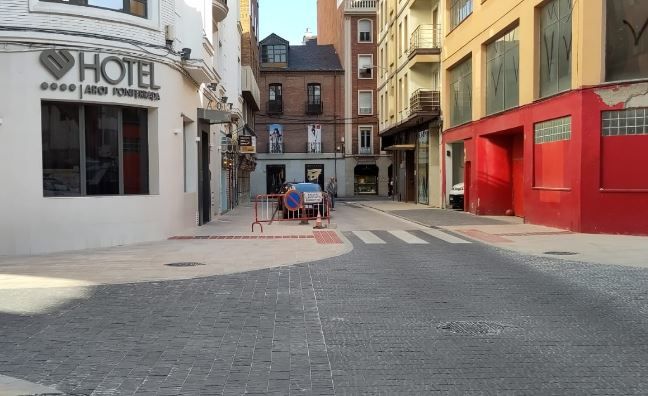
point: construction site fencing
(269, 208)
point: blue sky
(287, 18)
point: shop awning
(400, 147)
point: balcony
(219, 10)
(314, 108)
(250, 88)
(425, 101)
(275, 107)
(425, 40)
(314, 147)
(365, 150)
(360, 6)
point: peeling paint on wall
(635, 95)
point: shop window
(555, 47)
(105, 155)
(552, 130)
(459, 10)
(625, 122)
(422, 165)
(502, 72)
(132, 7)
(273, 53)
(364, 30)
(626, 46)
(365, 66)
(365, 102)
(460, 78)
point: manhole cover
(471, 328)
(184, 264)
(560, 253)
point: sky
(287, 18)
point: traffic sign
(292, 200)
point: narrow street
(410, 310)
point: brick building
(297, 129)
(350, 26)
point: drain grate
(184, 264)
(561, 253)
(471, 328)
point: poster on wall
(275, 132)
(314, 138)
(315, 174)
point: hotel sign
(98, 76)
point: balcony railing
(425, 37)
(364, 150)
(275, 107)
(275, 147)
(360, 6)
(219, 10)
(425, 101)
(365, 110)
(313, 108)
(314, 147)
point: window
(365, 99)
(365, 66)
(552, 130)
(365, 26)
(132, 7)
(461, 93)
(364, 140)
(314, 104)
(626, 46)
(625, 122)
(105, 155)
(502, 72)
(275, 101)
(273, 54)
(555, 47)
(314, 93)
(459, 10)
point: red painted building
(574, 159)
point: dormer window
(132, 7)
(273, 53)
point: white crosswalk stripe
(368, 237)
(445, 236)
(407, 237)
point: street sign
(292, 200)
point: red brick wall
(294, 118)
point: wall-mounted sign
(103, 72)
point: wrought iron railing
(314, 147)
(360, 5)
(275, 107)
(314, 108)
(425, 37)
(275, 147)
(425, 101)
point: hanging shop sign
(247, 144)
(99, 75)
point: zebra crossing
(412, 237)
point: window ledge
(152, 23)
(559, 189)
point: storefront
(97, 147)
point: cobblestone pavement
(383, 319)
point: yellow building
(408, 70)
(545, 110)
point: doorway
(275, 178)
(517, 159)
(410, 176)
(204, 176)
(314, 173)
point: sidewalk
(226, 245)
(511, 233)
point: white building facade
(108, 126)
